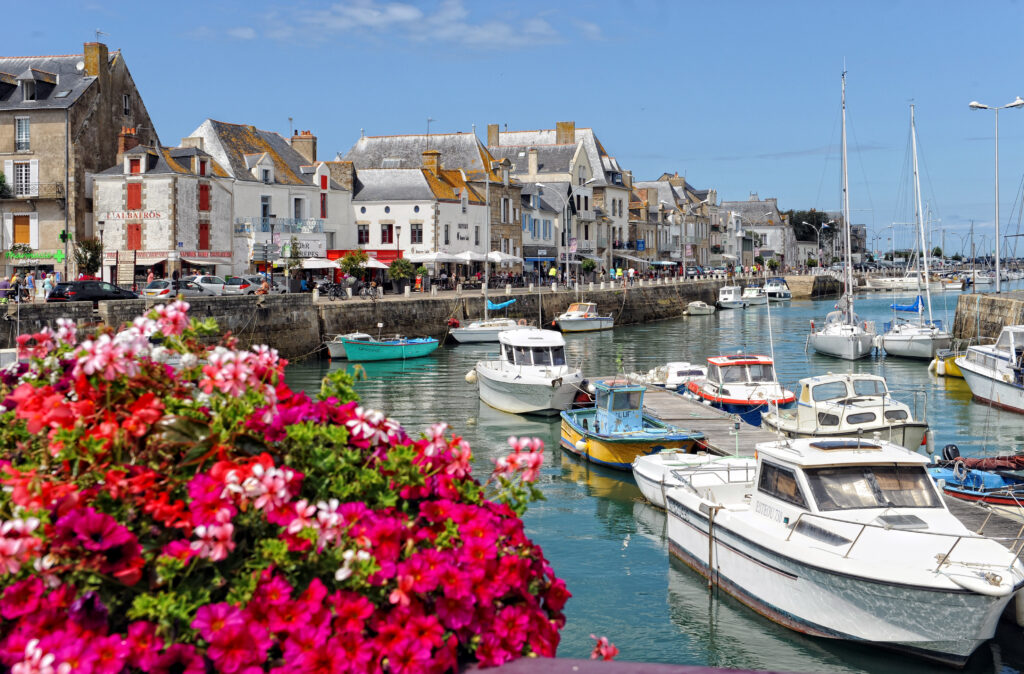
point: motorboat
(846, 539)
(913, 338)
(848, 406)
(730, 297)
(741, 384)
(944, 364)
(487, 328)
(777, 289)
(672, 376)
(953, 283)
(754, 295)
(336, 344)
(657, 473)
(844, 335)
(530, 376)
(996, 481)
(994, 371)
(398, 348)
(615, 431)
(583, 317)
(699, 308)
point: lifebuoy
(960, 470)
(522, 321)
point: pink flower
(111, 654)
(172, 317)
(179, 659)
(603, 649)
(214, 541)
(400, 595)
(213, 619)
(105, 358)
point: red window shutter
(134, 166)
(134, 196)
(134, 236)
(204, 236)
(204, 197)
(323, 205)
(323, 182)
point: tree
(5, 190)
(936, 252)
(758, 260)
(401, 269)
(815, 221)
(587, 265)
(957, 257)
(352, 263)
(811, 262)
(773, 264)
(89, 255)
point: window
(415, 209)
(825, 419)
(362, 234)
(558, 355)
(133, 196)
(830, 391)
(850, 487)
(578, 202)
(504, 209)
(134, 232)
(202, 167)
(508, 353)
(586, 203)
(204, 236)
(265, 175)
(23, 229)
(126, 105)
(862, 418)
(476, 235)
(780, 483)
(869, 387)
(135, 166)
(22, 134)
(523, 355)
(29, 90)
(23, 186)
(323, 205)
(265, 206)
(446, 238)
(762, 372)
(626, 400)
(362, 209)
(416, 233)
(614, 207)
(895, 415)
(323, 182)
(204, 197)
(298, 207)
(387, 233)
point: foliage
(957, 257)
(587, 265)
(5, 189)
(421, 270)
(88, 255)
(401, 269)
(170, 508)
(773, 264)
(936, 252)
(353, 261)
(815, 221)
(758, 259)
(811, 262)
(20, 248)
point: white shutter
(8, 234)
(33, 230)
(33, 178)
(9, 173)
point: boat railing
(1015, 545)
(686, 474)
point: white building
(542, 225)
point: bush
(401, 269)
(352, 262)
(170, 508)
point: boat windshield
(522, 355)
(851, 487)
(829, 391)
(869, 387)
(541, 355)
(762, 372)
(626, 400)
(558, 355)
(733, 374)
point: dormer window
(135, 165)
(266, 176)
(28, 88)
(202, 167)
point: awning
(540, 259)
(206, 261)
(37, 262)
(631, 258)
(148, 261)
(729, 257)
(664, 263)
(595, 258)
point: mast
(917, 213)
(487, 233)
(848, 275)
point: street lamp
(567, 227)
(975, 105)
(99, 227)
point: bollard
(531, 287)
(508, 289)
(348, 291)
(591, 287)
(641, 283)
(554, 287)
(458, 289)
(602, 285)
(407, 289)
(316, 294)
(433, 291)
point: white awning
(470, 256)
(206, 261)
(374, 263)
(318, 263)
(631, 258)
(428, 258)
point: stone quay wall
(981, 316)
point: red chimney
(127, 139)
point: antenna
(429, 120)
(100, 32)
(291, 128)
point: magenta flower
(21, 599)
(93, 530)
(213, 619)
(179, 659)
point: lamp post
(103, 254)
(566, 227)
(975, 105)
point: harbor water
(609, 545)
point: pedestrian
(150, 276)
(47, 286)
(30, 286)
(16, 283)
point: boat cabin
(584, 309)
(619, 407)
(741, 369)
(532, 347)
(729, 294)
(776, 282)
(835, 400)
(753, 291)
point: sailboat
(844, 335)
(920, 338)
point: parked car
(206, 282)
(89, 291)
(257, 279)
(693, 270)
(241, 285)
(167, 288)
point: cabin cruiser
(777, 289)
(754, 295)
(699, 308)
(846, 539)
(848, 406)
(741, 384)
(729, 297)
(583, 317)
(994, 371)
(657, 473)
(530, 376)
(673, 376)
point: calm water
(609, 545)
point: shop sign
(204, 253)
(58, 256)
(133, 215)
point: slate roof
(529, 189)
(550, 158)
(753, 212)
(410, 184)
(168, 160)
(664, 192)
(59, 69)
(458, 150)
(596, 154)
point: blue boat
(995, 481)
(743, 385)
(399, 348)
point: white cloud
(590, 30)
(242, 33)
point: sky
(740, 97)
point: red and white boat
(742, 384)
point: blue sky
(738, 96)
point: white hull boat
(729, 297)
(583, 317)
(846, 540)
(672, 376)
(530, 376)
(915, 341)
(993, 372)
(754, 296)
(842, 340)
(777, 290)
(699, 308)
(487, 330)
(336, 345)
(657, 473)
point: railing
(21, 190)
(602, 242)
(585, 246)
(279, 225)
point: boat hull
(618, 452)
(472, 335)
(916, 346)
(699, 309)
(847, 347)
(926, 622)
(993, 391)
(732, 304)
(335, 349)
(910, 435)
(748, 410)
(366, 351)
(585, 324)
(526, 395)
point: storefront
(128, 268)
(35, 261)
(217, 262)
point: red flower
(603, 649)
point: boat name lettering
(768, 511)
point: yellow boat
(944, 364)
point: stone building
(646, 215)
(541, 227)
(760, 220)
(59, 122)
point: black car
(89, 291)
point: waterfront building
(761, 221)
(648, 224)
(60, 117)
(542, 224)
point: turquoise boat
(616, 431)
(390, 349)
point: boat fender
(812, 325)
(940, 367)
(471, 377)
(552, 323)
(950, 452)
(960, 471)
(929, 442)
(581, 445)
(934, 365)
(555, 383)
(522, 321)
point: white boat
(672, 376)
(754, 295)
(336, 345)
(953, 283)
(848, 406)
(583, 317)
(994, 371)
(777, 289)
(729, 297)
(487, 330)
(699, 308)
(913, 282)
(846, 539)
(530, 375)
(844, 335)
(741, 384)
(657, 473)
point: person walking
(30, 286)
(16, 284)
(150, 276)
(47, 286)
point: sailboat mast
(918, 214)
(848, 275)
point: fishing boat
(398, 348)
(994, 371)
(530, 376)
(616, 431)
(487, 328)
(846, 539)
(777, 289)
(336, 344)
(754, 296)
(843, 334)
(996, 481)
(729, 297)
(741, 384)
(848, 406)
(699, 308)
(657, 473)
(583, 317)
(672, 376)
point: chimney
(343, 173)
(193, 141)
(126, 140)
(304, 142)
(493, 135)
(96, 60)
(432, 161)
(533, 161)
(565, 133)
